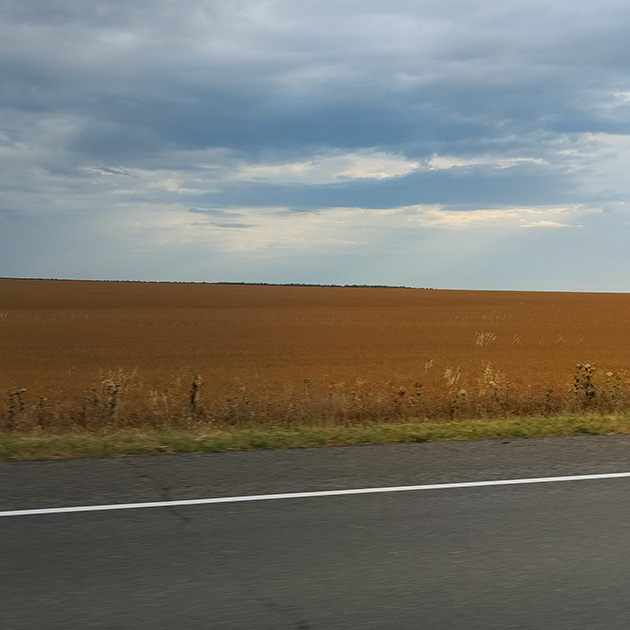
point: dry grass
(105, 355)
(119, 442)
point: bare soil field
(89, 354)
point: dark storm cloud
(337, 74)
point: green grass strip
(117, 443)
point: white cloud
(544, 223)
(255, 229)
(443, 162)
(207, 171)
(329, 168)
(201, 172)
(507, 217)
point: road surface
(540, 555)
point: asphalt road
(554, 555)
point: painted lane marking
(308, 495)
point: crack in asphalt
(161, 487)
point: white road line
(308, 495)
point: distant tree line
(312, 284)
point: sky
(436, 143)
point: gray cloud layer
(241, 140)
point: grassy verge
(116, 443)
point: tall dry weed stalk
(193, 396)
(583, 385)
(611, 390)
(16, 408)
(102, 402)
(458, 404)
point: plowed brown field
(124, 352)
